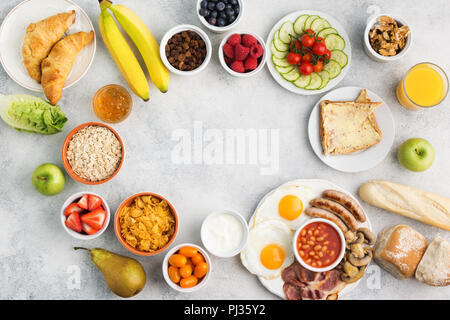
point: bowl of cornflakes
(146, 223)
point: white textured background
(35, 251)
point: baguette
(424, 206)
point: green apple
(416, 154)
(48, 179)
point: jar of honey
(112, 103)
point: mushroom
(350, 236)
(369, 238)
(357, 249)
(347, 278)
(359, 238)
(350, 269)
(360, 261)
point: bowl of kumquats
(186, 268)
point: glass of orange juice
(424, 86)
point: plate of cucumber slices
(292, 26)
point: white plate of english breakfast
(309, 239)
(24, 43)
(294, 26)
(351, 129)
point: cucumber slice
(279, 45)
(283, 70)
(303, 81)
(325, 75)
(280, 62)
(340, 57)
(299, 23)
(287, 32)
(316, 82)
(292, 75)
(324, 32)
(333, 68)
(334, 41)
(309, 21)
(319, 24)
(276, 53)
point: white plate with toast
(359, 160)
(275, 285)
(12, 33)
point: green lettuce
(31, 114)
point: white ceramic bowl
(175, 30)
(375, 55)
(221, 29)
(165, 267)
(244, 236)
(304, 264)
(245, 74)
(75, 234)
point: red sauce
(318, 244)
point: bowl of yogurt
(224, 233)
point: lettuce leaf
(31, 114)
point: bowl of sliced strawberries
(85, 215)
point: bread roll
(399, 249)
(434, 268)
(427, 207)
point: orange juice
(425, 85)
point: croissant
(57, 66)
(40, 38)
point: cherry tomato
(326, 55)
(188, 252)
(197, 258)
(189, 282)
(310, 32)
(307, 57)
(295, 45)
(174, 274)
(320, 39)
(307, 41)
(177, 260)
(293, 58)
(186, 271)
(306, 68)
(201, 269)
(319, 48)
(318, 66)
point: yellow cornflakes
(147, 224)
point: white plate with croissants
(351, 129)
(47, 45)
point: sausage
(337, 209)
(320, 213)
(347, 201)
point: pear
(125, 276)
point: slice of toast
(348, 126)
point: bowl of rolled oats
(387, 37)
(93, 153)
(146, 223)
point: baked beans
(319, 244)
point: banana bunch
(124, 56)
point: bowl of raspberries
(242, 54)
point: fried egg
(269, 249)
(286, 203)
